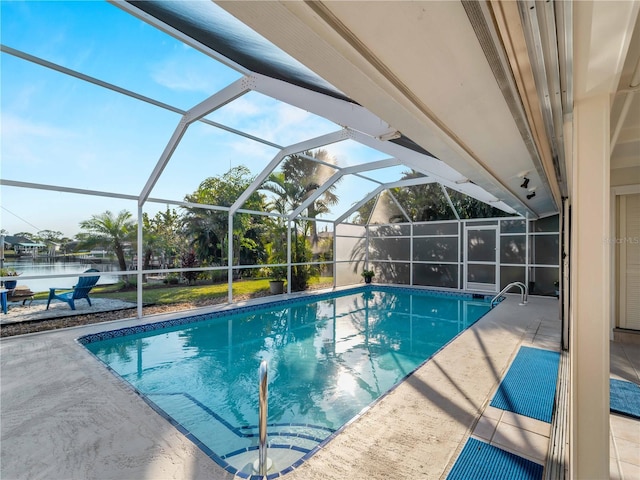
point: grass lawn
(167, 294)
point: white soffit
(607, 32)
(607, 61)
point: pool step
(280, 457)
(287, 444)
(301, 435)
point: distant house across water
(22, 245)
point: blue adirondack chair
(81, 290)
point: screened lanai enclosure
(183, 145)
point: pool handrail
(523, 289)
(262, 424)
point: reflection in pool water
(328, 360)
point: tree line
(191, 237)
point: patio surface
(37, 309)
(65, 416)
(624, 431)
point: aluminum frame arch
(215, 101)
(400, 183)
(338, 175)
(316, 142)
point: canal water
(30, 266)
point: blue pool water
(328, 359)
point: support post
(590, 295)
(140, 252)
(230, 259)
(335, 253)
(289, 256)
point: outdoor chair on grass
(81, 290)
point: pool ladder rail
(263, 463)
(523, 289)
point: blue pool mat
(529, 387)
(479, 460)
(625, 398)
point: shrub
(189, 260)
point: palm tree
(288, 194)
(114, 230)
(287, 197)
(427, 202)
(308, 176)
(298, 179)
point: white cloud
(241, 108)
(272, 120)
(26, 143)
(181, 74)
(17, 128)
(41, 152)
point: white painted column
(140, 253)
(289, 254)
(230, 259)
(590, 294)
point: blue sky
(58, 130)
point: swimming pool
(330, 357)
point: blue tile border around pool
(109, 334)
(122, 332)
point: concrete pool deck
(66, 416)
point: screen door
(481, 261)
